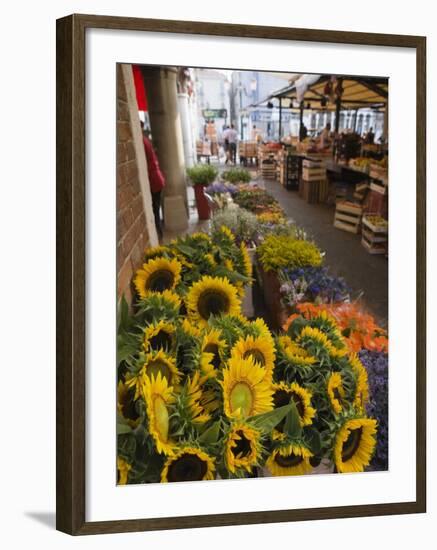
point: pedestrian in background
(156, 181)
(230, 136)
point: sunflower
(156, 252)
(242, 447)
(261, 349)
(157, 275)
(194, 396)
(290, 460)
(362, 384)
(201, 237)
(247, 262)
(259, 328)
(214, 344)
(335, 392)
(126, 404)
(188, 464)
(227, 232)
(158, 395)
(315, 339)
(284, 393)
(164, 305)
(190, 329)
(159, 335)
(354, 444)
(212, 296)
(170, 298)
(229, 264)
(207, 368)
(284, 342)
(210, 260)
(123, 469)
(155, 362)
(160, 362)
(246, 391)
(297, 354)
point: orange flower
(358, 327)
(289, 321)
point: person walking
(156, 180)
(230, 136)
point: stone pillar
(187, 134)
(165, 122)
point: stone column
(165, 122)
(187, 133)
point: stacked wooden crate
(314, 182)
(267, 161)
(248, 150)
(348, 216)
(374, 234)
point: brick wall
(132, 232)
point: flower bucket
(272, 297)
(203, 208)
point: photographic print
(252, 274)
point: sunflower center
(241, 397)
(350, 446)
(212, 302)
(161, 417)
(280, 399)
(242, 447)
(162, 340)
(256, 354)
(187, 467)
(288, 461)
(337, 394)
(213, 348)
(159, 280)
(157, 366)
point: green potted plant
(202, 175)
(236, 175)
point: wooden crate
(377, 246)
(323, 190)
(268, 169)
(313, 174)
(310, 191)
(348, 216)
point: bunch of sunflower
(204, 392)
(188, 259)
(333, 385)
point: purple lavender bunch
(376, 364)
(320, 286)
(219, 188)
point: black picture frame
(71, 248)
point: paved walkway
(364, 272)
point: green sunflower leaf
(267, 421)
(314, 440)
(211, 434)
(292, 425)
(122, 425)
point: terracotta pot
(203, 208)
